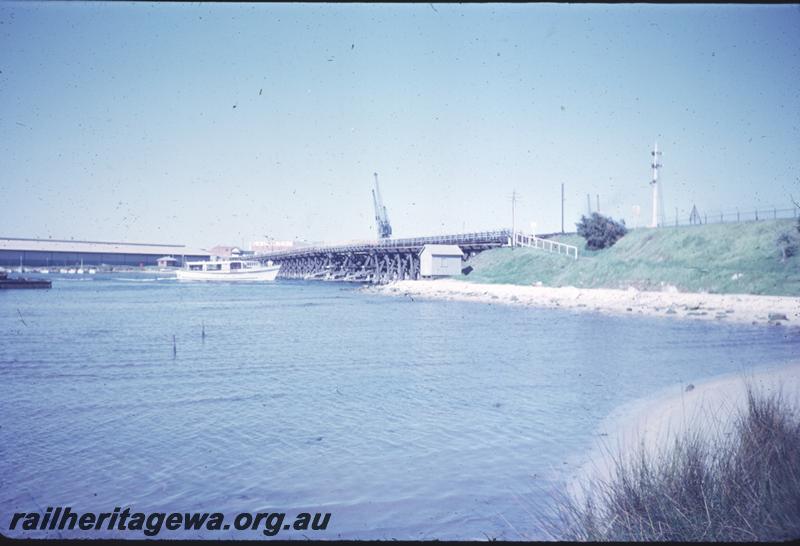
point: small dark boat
(5, 282)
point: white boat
(92, 271)
(63, 271)
(228, 270)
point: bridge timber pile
(377, 262)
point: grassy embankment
(718, 258)
(738, 487)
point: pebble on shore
(739, 308)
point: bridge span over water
(375, 261)
(378, 261)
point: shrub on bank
(789, 242)
(600, 231)
(745, 487)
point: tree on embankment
(789, 241)
(600, 231)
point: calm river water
(403, 419)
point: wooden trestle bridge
(379, 261)
(386, 260)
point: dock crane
(381, 216)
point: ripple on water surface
(404, 419)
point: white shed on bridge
(440, 260)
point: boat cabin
(223, 265)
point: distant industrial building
(440, 260)
(223, 251)
(262, 247)
(53, 252)
(167, 261)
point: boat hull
(6, 283)
(245, 275)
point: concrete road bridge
(379, 261)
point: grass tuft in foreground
(744, 486)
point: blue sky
(213, 123)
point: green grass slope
(720, 258)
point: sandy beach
(708, 407)
(738, 308)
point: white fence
(532, 241)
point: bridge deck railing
(532, 241)
(500, 236)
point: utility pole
(654, 183)
(514, 198)
(562, 208)
(513, 225)
(598, 202)
(588, 204)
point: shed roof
(442, 250)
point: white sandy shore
(739, 308)
(708, 407)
